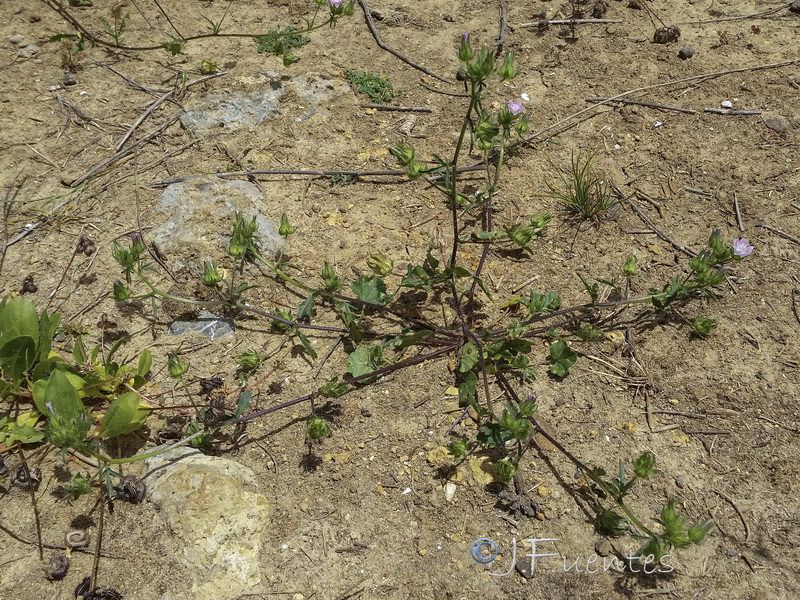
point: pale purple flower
(742, 247)
(465, 36)
(336, 3)
(515, 107)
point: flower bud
(236, 248)
(211, 276)
(465, 52)
(507, 70)
(485, 130)
(137, 245)
(207, 67)
(703, 327)
(249, 360)
(404, 154)
(176, 367)
(522, 125)
(330, 278)
(121, 292)
(505, 469)
(317, 428)
(629, 267)
(380, 264)
(285, 228)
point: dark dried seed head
(217, 403)
(28, 286)
(58, 567)
(77, 538)
(24, 479)
(209, 385)
(3, 467)
(131, 489)
(83, 587)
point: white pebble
(726, 104)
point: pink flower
(336, 3)
(515, 107)
(742, 247)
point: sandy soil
(342, 525)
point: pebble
(366, 410)
(726, 104)
(686, 52)
(680, 482)
(795, 7)
(69, 78)
(777, 124)
(603, 547)
(29, 51)
(16, 38)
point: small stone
(795, 7)
(16, 38)
(69, 79)
(777, 124)
(680, 482)
(686, 52)
(450, 491)
(525, 567)
(726, 104)
(366, 410)
(733, 553)
(472, 529)
(29, 51)
(422, 551)
(603, 547)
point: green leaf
(79, 351)
(334, 388)
(469, 358)
(48, 325)
(563, 358)
(18, 318)
(62, 396)
(307, 346)
(370, 289)
(359, 362)
(17, 355)
(244, 402)
(145, 362)
(306, 310)
(493, 435)
(414, 338)
(126, 414)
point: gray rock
(319, 93)
(229, 111)
(686, 52)
(206, 324)
(16, 38)
(202, 500)
(200, 218)
(777, 124)
(795, 7)
(29, 51)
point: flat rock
(206, 324)
(229, 111)
(319, 94)
(204, 502)
(200, 218)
